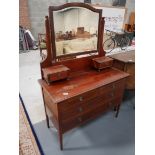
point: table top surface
(81, 82)
(126, 57)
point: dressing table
(85, 93)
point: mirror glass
(76, 30)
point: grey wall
(105, 2)
(38, 9)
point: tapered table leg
(47, 118)
(61, 140)
(117, 110)
(47, 121)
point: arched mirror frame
(99, 50)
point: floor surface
(30, 90)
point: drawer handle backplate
(59, 75)
(81, 98)
(80, 109)
(113, 86)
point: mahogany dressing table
(86, 93)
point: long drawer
(69, 124)
(77, 100)
(117, 87)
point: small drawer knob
(113, 86)
(80, 109)
(81, 98)
(59, 75)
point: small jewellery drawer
(76, 121)
(78, 100)
(55, 73)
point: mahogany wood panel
(78, 64)
(50, 104)
(52, 117)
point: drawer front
(78, 100)
(115, 86)
(105, 64)
(102, 62)
(74, 122)
(58, 76)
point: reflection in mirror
(76, 30)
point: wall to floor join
(38, 9)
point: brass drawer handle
(80, 109)
(81, 98)
(59, 75)
(79, 119)
(113, 86)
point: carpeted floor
(27, 142)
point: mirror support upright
(101, 49)
(48, 60)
